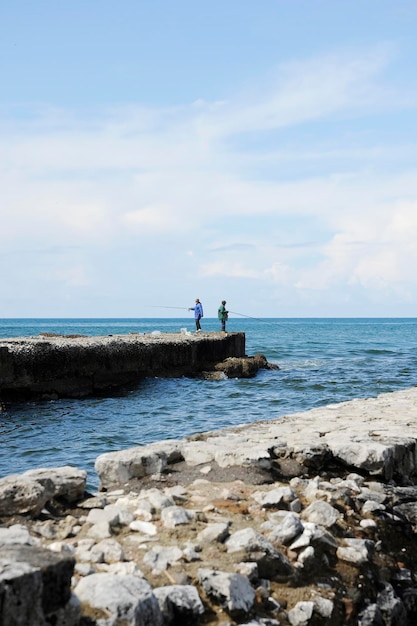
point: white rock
(17, 533)
(367, 523)
(159, 557)
(99, 531)
(174, 516)
(232, 591)
(179, 603)
(110, 549)
(322, 513)
(109, 514)
(214, 532)
(68, 482)
(156, 498)
(61, 546)
(355, 551)
(285, 531)
(301, 613)
(323, 606)
(147, 528)
(275, 497)
(126, 599)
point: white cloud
(136, 175)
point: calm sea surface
(321, 361)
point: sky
(153, 152)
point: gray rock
(68, 482)
(157, 499)
(370, 506)
(121, 466)
(317, 536)
(120, 599)
(15, 534)
(355, 551)
(323, 606)
(34, 583)
(21, 494)
(147, 528)
(408, 510)
(301, 613)
(214, 532)
(109, 514)
(375, 457)
(285, 531)
(371, 616)
(276, 497)
(68, 615)
(175, 516)
(271, 562)
(99, 531)
(232, 591)
(179, 604)
(321, 513)
(107, 551)
(53, 529)
(159, 557)
(391, 607)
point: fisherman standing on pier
(222, 314)
(198, 314)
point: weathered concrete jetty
(307, 520)
(52, 366)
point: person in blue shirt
(198, 314)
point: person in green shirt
(222, 314)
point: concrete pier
(49, 366)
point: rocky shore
(306, 520)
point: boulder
(116, 599)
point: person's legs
(197, 323)
(224, 326)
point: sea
(321, 361)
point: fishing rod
(258, 319)
(183, 308)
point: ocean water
(321, 361)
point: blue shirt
(198, 310)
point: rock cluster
(241, 526)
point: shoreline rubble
(309, 519)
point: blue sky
(152, 152)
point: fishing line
(183, 308)
(258, 319)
